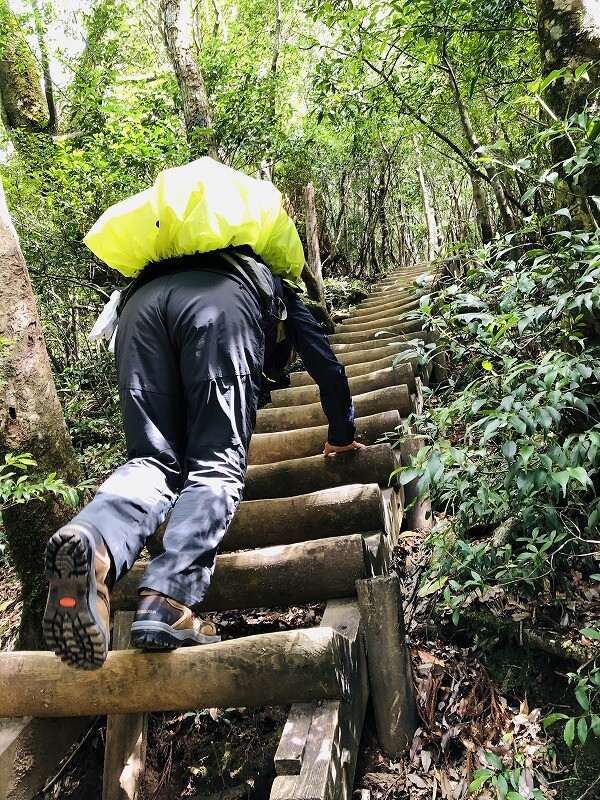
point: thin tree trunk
(482, 209)
(430, 223)
(177, 33)
(274, 60)
(48, 88)
(499, 192)
(312, 273)
(33, 422)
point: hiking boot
(162, 623)
(76, 620)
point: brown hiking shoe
(162, 623)
(76, 620)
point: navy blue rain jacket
(305, 335)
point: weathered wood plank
(356, 320)
(352, 370)
(407, 328)
(372, 464)
(307, 572)
(379, 349)
(338, 511)
(417, 515)
(375, 342)
(394, 398)
(267, 448)
(125, 746)
(290, 751)
(326, 769)
(390, 674)
(403, 373)
(264, 670)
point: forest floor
(481, 695)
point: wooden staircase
(310, 529)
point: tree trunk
(33, 422)
(497, 186)
(431, 227)
(482, 209)
(177, 34)
(48, 89)
(24, 105)
(569, 35)
(312, 274)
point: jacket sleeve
(321, 364)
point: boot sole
(160, 636)
(72, 624)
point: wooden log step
(394, 398)
(399, 290)
(353, 370)
(266, 448)
(317, 754)
(372, 464)
(390, 376)
(380, 331)
(393, 295)
(380, 320)
(380, 348)
(294, 574)
(374, 343)
(388, 308)
(265, 670)
(338, 511)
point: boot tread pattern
(75, 632)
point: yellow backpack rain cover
(197, 208)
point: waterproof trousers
(189, 353)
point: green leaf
(582, 730)
(579, 474)
(432, 587)
(494, 760)
(552, 718)
(591, 633)
(509, 449)
(582, 697)
(481, 776)
(569, 732)
(487, 365)
(562, 478)
(551, 77)
(502, 786)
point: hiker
(189, 350)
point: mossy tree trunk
(32, 422)
(569, 35)
(24, 106)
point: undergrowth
(513, 436)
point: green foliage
(519, 433)
(16, 488)
(514, 437)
